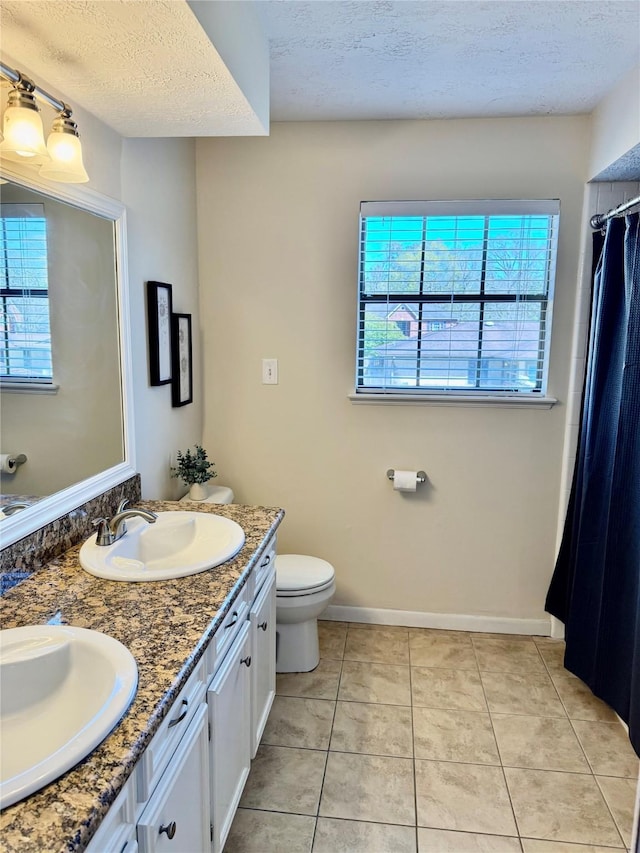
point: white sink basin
(175, 545)
(62, 690)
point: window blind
(25, 334)
(456, 296)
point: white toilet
(304, 588)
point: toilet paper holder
(421, 476)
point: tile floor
(409, 739)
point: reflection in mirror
(60, 363)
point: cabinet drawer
(176, 818)
(228, 631)
(266, 562)
(117, 830)
(163, 744)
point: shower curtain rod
(599, 220)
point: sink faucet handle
(103, 534)
(123, 503)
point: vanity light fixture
(65, 152)
(61, 158)
(22, 126)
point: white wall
(616, 123)
(278, 236)
(158, 188)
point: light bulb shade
(65, 152)
(22, 130)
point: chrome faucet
(112, 529)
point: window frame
(20, 382)
(479, 395)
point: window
(455, 297)
(25, 335)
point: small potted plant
(194, 469)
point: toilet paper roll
(8, 463)
(405, 481)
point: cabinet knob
(246, 661)
(264, 625)
(170, 829)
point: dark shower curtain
(595, 589)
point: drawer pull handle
(170, 829)
(266, 561)
(175, 722)
(264, 625)
(246, 661)
(233, 621)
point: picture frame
(182, 363)
(159, 313)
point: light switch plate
(269, 371)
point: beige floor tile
(321, 683)
(454, 736)
(368, 788)
(372, 729)
(332, 637)
(445, 841)
(552, 652)
(510, 693)
(535, 845)
(375, 682)
(507, 655)
(442, 650)
(455, 689)
(441, 632)
(285, 780)
(579, 701)
(304, 723)
(365, 644)
(466, 797)
(350, 836)
(560, 807)
(608, 749)
(400, 630)
(491, 635)
(270, 832)
(620, 795)
(539, 743)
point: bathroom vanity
(170, 775)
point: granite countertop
(166, 626)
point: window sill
(475, 401)
(28, 388)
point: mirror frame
(51, 507)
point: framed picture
(182, 367)
(159, 310)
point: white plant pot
(197, 492)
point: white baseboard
(447, 621)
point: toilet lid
(296, 573)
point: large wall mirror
(64, 394)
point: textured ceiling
(144, 67)
(445, 58)
(147, 68)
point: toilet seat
(298, 574)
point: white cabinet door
(263, 655)
(176, 818)
(229, 697)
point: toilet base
(297, 648)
